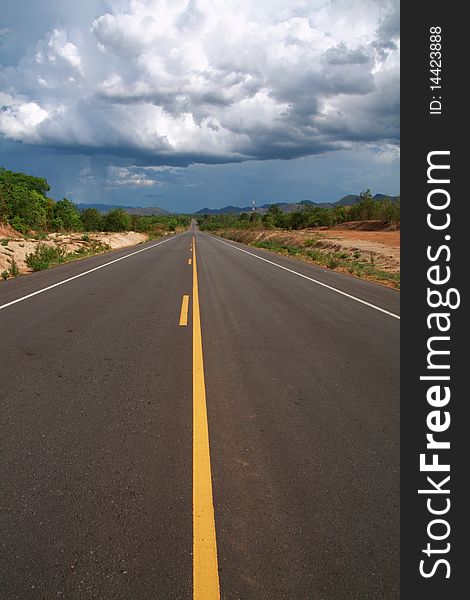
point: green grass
(315, 255)
(277, 247)
(310, 242)
(363, 269)
(332, 262)
(4, 241)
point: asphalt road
(96, 428)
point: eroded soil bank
(369, 249)
(14, 248)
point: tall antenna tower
(253, 206)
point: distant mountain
(383, 196)
(348, 200)
(225, 210)
(132, 210)
(352, 199)
(289, 207)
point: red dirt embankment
(350, 248)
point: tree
(274, 216)
(117, 220)
(4, 209)
(365, 209)
(23, 201)
(297, 219)
(27, 209)
(340, 214)
(92, 219)
(171, 223)
(255, 217)
(391, 211)
(10, 178)
(66, 216)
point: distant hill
(132, 210)
(225, 210)
(284, 206)
(348, 200)
(289, 207)
(383, 196)
(351, 199)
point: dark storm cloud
(179, 83)
(140, 101)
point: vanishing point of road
(193, 418)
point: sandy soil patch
(383, 245)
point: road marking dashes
(184, 310)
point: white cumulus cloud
(172, 82)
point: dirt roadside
(383, 245)
(373, 255)
(14, 248)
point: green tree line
(24, 204)
(309, 216)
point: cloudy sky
(191, 103)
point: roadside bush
(14, 271)
(92, 247)
(332, 262)
(44, 256)
(117, 220)
(315, 255)
(18, 224)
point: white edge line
(382, 310)
(49, 287)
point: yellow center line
(184, 310)
(205, 570)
